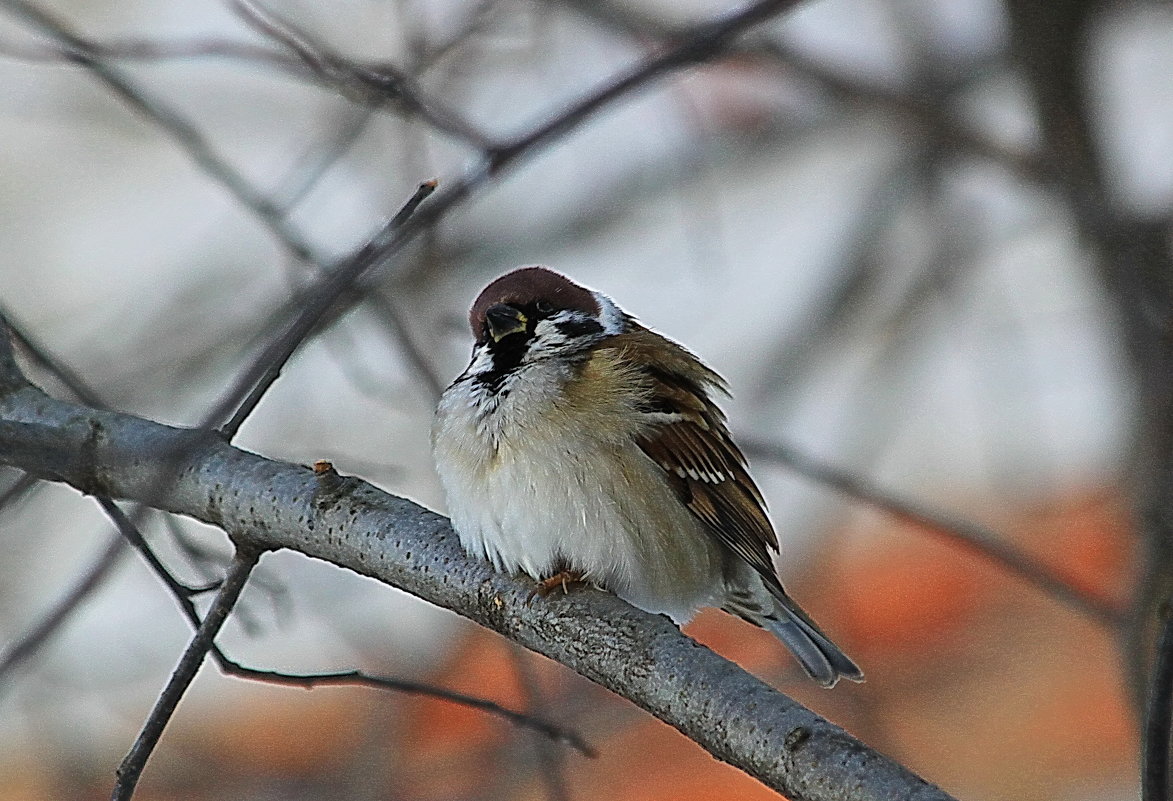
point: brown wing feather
(687, 437)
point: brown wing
(686, 435)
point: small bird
(580, 446)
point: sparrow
(580, 446)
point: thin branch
(1154, 782)
(183, 595)
(976, 539)
(189, 664)
(926, 113)
(427, 55)
(694, 46)
(377, 534)
(41, 356)
(358, 678)
(277, 364)
(21, 487)
(389, 313)
(370, 85)
(272, 215)
(313, 303)
(550, 762)
(134, 49)
(78, 49)
(128, 528)
(33, 639)
(128, 531)
(201, 559)
(309, 168)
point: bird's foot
(563, 578)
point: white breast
(533, 487)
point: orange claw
(563, 578)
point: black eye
(544, 307)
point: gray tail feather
(819, 657)
(763, 601)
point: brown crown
(529, 285)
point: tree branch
(1154, 779)
(265, 504)
(369, 85)
(274, 368)
(977, 539)
(193, 142)
(185, 672)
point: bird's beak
(504, 320)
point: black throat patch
(507, 355)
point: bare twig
(693, 47)
(36, 636)
(231, 667)
(188, 137)
(428, 55)
(370, 85)
(41, 356)
(128, 527)
(549, 760)
(277, 364)
(1134, 260)
(305, 173)
(79, 50)
(19, 488)
(189, 664)
(975, 538)
(928, 114)
(313, 303)
(134, 49)
(128, 531)
(1154, 783)
(358, 678)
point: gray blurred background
(860, 217)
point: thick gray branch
(270, 504)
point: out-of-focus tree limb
(1154, 777)
(1134, 259)
(977, 539)
(265, 504)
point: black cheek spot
(579, 328)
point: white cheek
(548, 337)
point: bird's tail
(820, 658)
(766, 604)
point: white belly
(530, 500)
